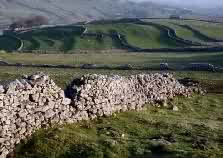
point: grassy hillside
(69, 38)
(210, 29)
(213, 30)
(70, 11)
(138, 35)
(181, 31)
(65, 38)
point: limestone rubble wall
(35, 101)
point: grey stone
(175, 108)
(2, 89)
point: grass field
(136, 59)
(181, 31)
(193, 132)
(68, 38)
(210, 29)
(213, 30)
(64, 39)
(143, 36)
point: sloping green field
(143, 36)
(210, 29)
(181, 31)
(214, 30)
(62, 39)
(69, 38)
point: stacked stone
(35, 101)
(101, 95)
(28, 104)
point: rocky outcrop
(35, 101)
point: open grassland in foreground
(193, 131)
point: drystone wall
(100, 95)
(35, 101)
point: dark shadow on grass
(9, 43)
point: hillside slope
(69, 11)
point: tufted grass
(194, 131)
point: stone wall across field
(35, 101)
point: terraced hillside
(213, 30)
(144, 34)
(138, 35)
(180, 30)
(61, 38)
